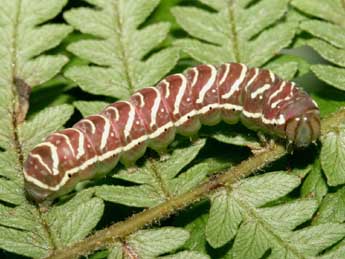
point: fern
(329, 39)
(24, 66)
(329, 43)
(120, 46)
(251, 35)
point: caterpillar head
(303, 129)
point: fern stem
(15, 112)
(107, 237)
(16, 141)
(122, 47)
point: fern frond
(90, 107)
(156, 179)
(239, 213)
(153, 243)
(251, 35)
(26, 36)
(329, 39)
(119, 49)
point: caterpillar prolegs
(180, 103)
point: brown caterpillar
(180, 103)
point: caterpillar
(180, 103)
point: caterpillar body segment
(152, 116)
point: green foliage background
(79, 55)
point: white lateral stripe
(255, 115)
(237, 83)
(196, 76)
(93, 127)
(68, 141)
(129, 146)
(280, 89)
(208, 84)
(130, 120)
(160, 130)
(225, 75)
(260, 90)
(40, 160)
(106, 131)
(229, 106)
(81, 150)
(180, 93)
(155, 107)
(279, 121)
(54, 156)
(256, 73)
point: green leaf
(116, 252)
(315, 185)
(189, 179)
(22, 242)
(229, 135)
(288, 66)
(337, 252)
(326, 31)
(327, 51)
(285, 70)
(332, 208)
(330, 34)
(21, 63)
(224, 220)
(119, 67)
(9, 166)
(155, 242)
(251, 242)
(268, 187)
(27, 38)
(20, 232)
(235, 214)
(312, 240)
(72, 221)
(52, 119)
(332, 75)
(138, 196)
(331, 10)
(186, 254)
(195, 220)
(235, 33)
(289, 215)
(333, 156)
(11, 192)
(90, 107)
(156, 178)
(152, 243)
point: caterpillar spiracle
(180, 103)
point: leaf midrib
(15, 138)
(233, 30)
(122, 49)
